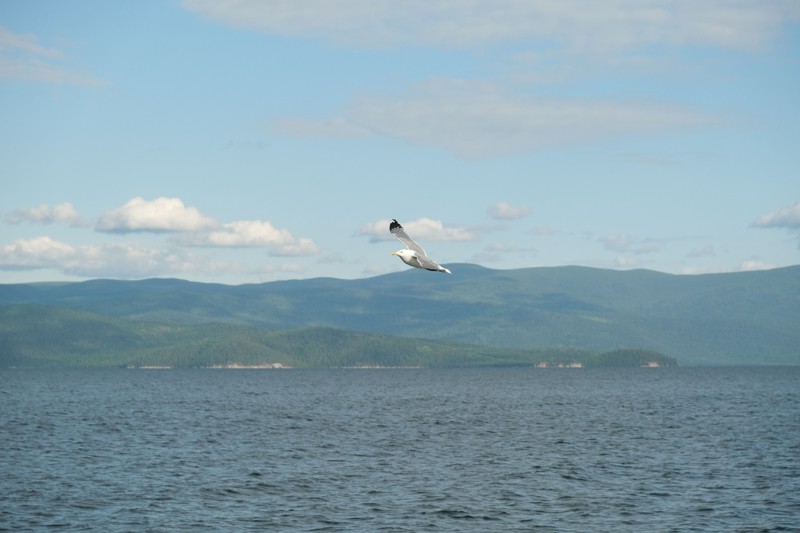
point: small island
(631, 357)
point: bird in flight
(413, 255)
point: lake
(498, 449)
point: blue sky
(247, 141)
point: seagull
(413, 255)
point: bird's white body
(410, 258)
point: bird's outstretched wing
(397, 230)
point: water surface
(684, 449)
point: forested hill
(34, 335)
(733, 318)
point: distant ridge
(710, 319)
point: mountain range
(742, 318)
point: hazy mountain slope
(742, 318)
(34, 335)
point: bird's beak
(394, 253)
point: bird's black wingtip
(394, 224)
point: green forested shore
(45, 336)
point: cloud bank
(785, 217)
(622, 243)
(505, 211)
(421, 230)
(251, 234)
(161, 215)
(22, 58)
(44, 214)
(596, 28)
(97, 260)
(186, 226)
(472, 119)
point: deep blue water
(684, 449)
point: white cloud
(374, 270)
(505, 211)
(755, 264)
(302, 246)
(498, 251)
(241, 234)
(706, 251)
(251, 234)
(162, 215)
(22, 58)
(501, 247)
(10, 41)
(331, 127)
(40, 252)
(626, 262)
(44, 214)
(421, 230)
(99, 260)
(188, 226)
(377, 231)
(544, 231)
(595, 28)
(785, 217)
(622, 243)
(745, 266)
(435, 230)
(479, 119)
(266, 272)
